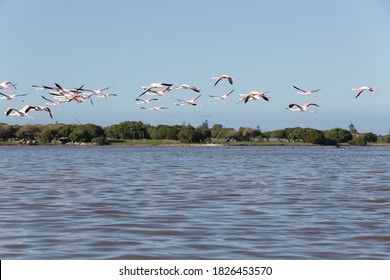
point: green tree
(358, 141)
(257, 132)
(165, 132)
(86, 132)
(352, 129)
(204, 131)
(313, 136)
(216, 129)
(127, 130)
(5, 131)
(65, 130)
(338, 135)
(295, 134)
(386, 139)
(93, 131)
(112, 131)
(278, 134)
(245, 133)
(79, 134)
(29, 132)
(370, 137)
(99, 140)
(48, 135)
(188, 135)
(232, 134)
(223, 133)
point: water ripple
(195, 203)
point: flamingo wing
(217, 81)
(230, 92)
(9, 110)
(297, 88)
(294, 104)
(359, 92)
(266, 98)
(196, 97)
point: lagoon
(266, 202)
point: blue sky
(268, 45)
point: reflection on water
(195, 203)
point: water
(195, 203)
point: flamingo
(229, 78)
(48, 88)
(12, 96)
(225, 96)
(255, 95)
(145, 101)
(184, 86)
(363, 88)
(27, 108)
(189, 102)
(65, 91)
(155, 108)
(306, 92)
(67, 95)
(80, 98)
(6, 85)
(55, 103)
(24, 111)
(106, 95)
(97, 91)
(152, 86)
(63, 94)
(302, 108)
(20, 113)
(161, 92)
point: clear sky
(269, 45)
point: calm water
(195, 203)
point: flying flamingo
(55, 103)
(189, 102)
(106, 95)
(36, 108)
(48, 88)
(155, 108)
(152, 86)
(184, 86)
(302, 108)
(24, 111)
(306, 92)
(97, 91)
(12, 96)
(225, 96)
(255, 95)
(145, 101)
(363, 88)
(161, 92)
(65, 91)
(6, 85)
(20, 113)
(229, 78)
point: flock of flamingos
(60, 95)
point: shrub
(100, 141)
(338, 135)
(358, 141)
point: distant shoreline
(174, 143)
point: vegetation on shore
(138, 133)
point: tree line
(185, 133)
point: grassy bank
(166, 142)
